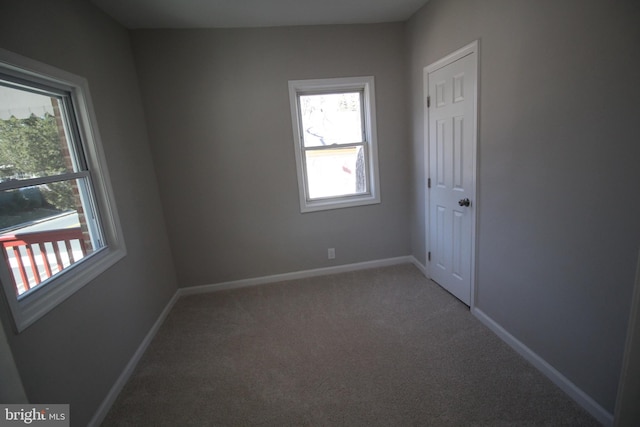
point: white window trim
(366, 84)
(28, 310)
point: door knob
(464, 202)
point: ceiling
(255, 13)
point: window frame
(29, 309)
(365, 85)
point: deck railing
(34, 257)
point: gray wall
(559, 143)
(558, 227)
(75, 353)
(217, 109)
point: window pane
(43, 230)
(33, 138)
(334, 118)
(335, 172)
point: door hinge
(428, 101)
(429, 256)
(428, 182)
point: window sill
(33, 307)
(338, 203)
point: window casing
(335, 142)
(59, 228)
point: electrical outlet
(331, 253)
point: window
(335, 142)
(58, 224)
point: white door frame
(470, 49)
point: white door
(451, 110)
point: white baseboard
(420, 266)
(584, 400)
(108, 401)
(193, 290)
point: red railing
(53, 249)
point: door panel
(451, 147)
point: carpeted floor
(379, 347)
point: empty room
(389, 212)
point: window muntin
(58, 225)
(334, 133)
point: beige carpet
(380, 347)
